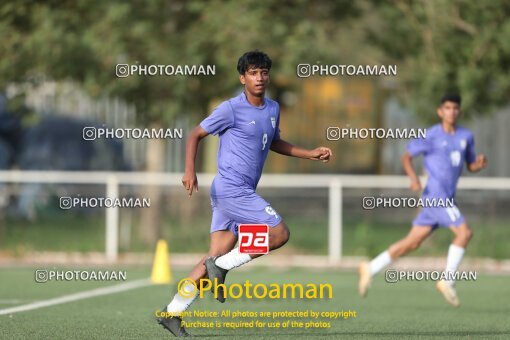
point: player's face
(255, 80)
(449, 112)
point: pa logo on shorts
(253, 238)
(271, 211)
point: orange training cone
(161, 273)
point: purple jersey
(444, 156)
(246, 133)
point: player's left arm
(479, 163)
(285, 148)
(474, 162)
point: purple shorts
(443, 217)
(228, 213)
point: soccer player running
(446, 148)
(248, 127)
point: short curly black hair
(451, 97)
(253, 59)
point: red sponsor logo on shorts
(254, 238)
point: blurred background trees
(438, 45)
(446, 46)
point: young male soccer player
(446, 148)
(248, 127)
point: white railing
(334, 183)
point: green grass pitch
(399, 310)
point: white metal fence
(334, 184)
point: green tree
(444, 46)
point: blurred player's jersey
(246, 133)
(444, 157)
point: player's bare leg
(218, 266)
(463, 235)
(411, 242)
(278, 236)
(221, 242)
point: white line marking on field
(13, 301)
(78, 296)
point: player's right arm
(221, 119)
(415, 147)
(189, 180)
(411, 173)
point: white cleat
(365, 278)
(449, 293)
